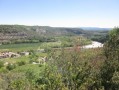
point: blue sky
(60, 13)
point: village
(9, 54)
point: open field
(32, 67)
(20, 47)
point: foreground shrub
(21, 63)
(110, 70)
(11, 66)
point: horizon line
(60, 26)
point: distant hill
(95, 28)
(20, 33)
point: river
(94, 44)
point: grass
(50, 44)
(28, 46)
(42, 54)
(24, 68)
(15, 60)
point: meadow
(20, 47)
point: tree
(110, 68)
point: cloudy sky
(60, 13)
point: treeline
(100, 38)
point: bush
(4, 70)
(110, 69)
(40, 65)
(11, 66)
(21, 63)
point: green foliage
(27, 67)
(73, 74)
(98, 35)
(50, 45)
(13, 81)
(20, 47)
(17, 84)
(21, 63)
(100, 38)
(11, 66)
(80, 41)
(1, 64)
(110, 68)
(33, 57)
(4, 70)
(49, 79)
(65, 69)
(11, 34)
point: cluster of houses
(12, 54)
(8, 54)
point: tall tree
(110, 68)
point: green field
(50, 45)
(20, 47)
(32, 67)
(15, 60)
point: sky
(60, 13)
